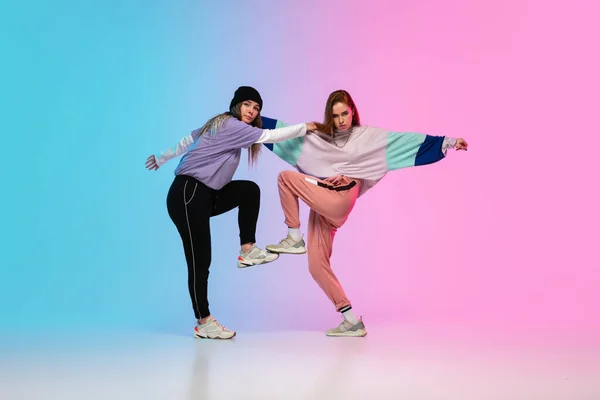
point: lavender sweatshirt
(213, 159)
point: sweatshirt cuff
(448, 143)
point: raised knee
(251, 188)
(285, 175)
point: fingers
(151, 165)
(461, 144)
(334, 180)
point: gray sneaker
(211, 329)
(347, 329)
(288, 246)
(255, 256)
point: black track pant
(191, 204)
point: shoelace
(287, 240)
(345, 325)
(249, 252)
(261, 252)
(218, 325)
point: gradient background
(502, 239)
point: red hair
(339, 96)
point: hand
(310, 126)
(151, 163)
(461, 144)
(335, 180)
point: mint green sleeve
(410, 149)
(288, 150)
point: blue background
(502, 236)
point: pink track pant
(329, 208)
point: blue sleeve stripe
(430, 151)
(268, 123)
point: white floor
(387, 364)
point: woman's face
(342, 117)
(249, 110)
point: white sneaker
(347, 328)
(288, 245)
(211, 329)
(255, 256)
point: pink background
(502, 239)
(504, 236)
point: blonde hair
(213, 125)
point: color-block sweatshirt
(213, 158)
(366, 153)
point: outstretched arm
(282, 134)
(288, 150)
(154, 162)
(409, 149)
(267, 135)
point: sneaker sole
(251, 264)
(197, 336)
(286, 251)
(358, 333)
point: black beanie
(244, 93)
